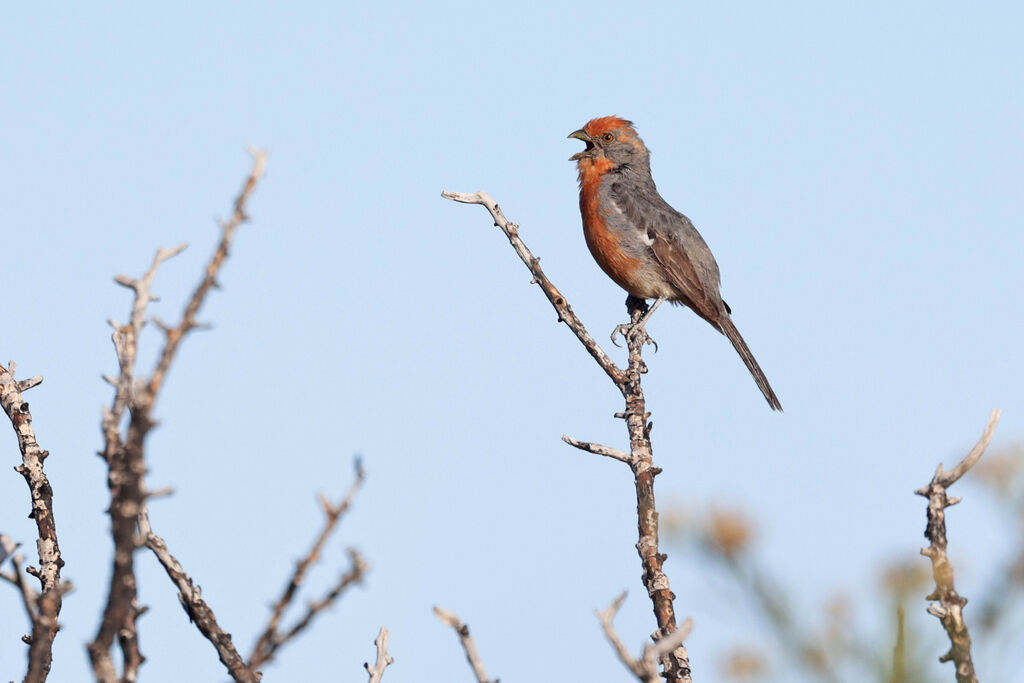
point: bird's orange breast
(604, 244)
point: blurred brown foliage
(884, 633)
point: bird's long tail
(730, 331)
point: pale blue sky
(857, 172)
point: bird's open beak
(588, 152)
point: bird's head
(612, 139)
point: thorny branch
(46, 607)
(472, 656)
(124, 453)
(949, 608)
(384, 660)
(271, 639)
(195, 607)
(675, 662)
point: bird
(647, 247)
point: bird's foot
(633, 331)
(637, 328)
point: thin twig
(354, 575)
(271, 639)
(676, 663)
(384, 660)
(209, 281)
(472, 656)
(191, 600)
(562, 307)
(29, 597)
(598, 449)
(949, 608)
(48, 604)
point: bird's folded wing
(657, 220)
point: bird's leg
(649, 312)
(629, 329)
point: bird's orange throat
(592, 169)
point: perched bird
(650, 249)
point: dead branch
(472, 656)
(124, 453)
(353, 575)
(598, 449)
(126, 483)
(646, 667)
(562, 307)
(949, 608)
(228, 228)
(48, 603)
(271, 639)
(384, 660)
(195, 607)
(640, 459)
(29, 596)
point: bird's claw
(631, 331)
(620, 329)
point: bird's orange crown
(599, 126)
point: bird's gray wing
(676, 245)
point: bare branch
(947, 479)
(354, 575)
(949, 608)
(124, 453)
(598, 449)
(607, 618)
(271, 639)
(29, 597)
(7, 547)
(640, 458)
(125, 480)
(26, 384)
(384, 660)
(472, 656)
(228, 229)
(562, 307)
(669, 644)
(48, 603)
(191, 600)
(646, 667)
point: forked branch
(272, 638)
(124, 453)
(646, 667)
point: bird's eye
(608, 137)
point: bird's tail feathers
(730, 331)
